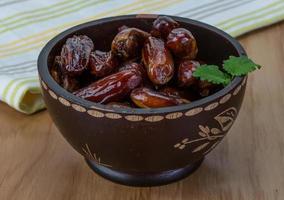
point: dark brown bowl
(144, 147)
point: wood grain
(37, 163)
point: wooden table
(37, 163)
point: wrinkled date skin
(132, 65)
(182, 43)
(114, 87)
(158, 61)
(147, 98)
(70, 83)
(75, 54)
(162, 26)
(128, 43)
(102, 63)
(185, 73)
(67, 82)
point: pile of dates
(144, 70)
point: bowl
(143, 147)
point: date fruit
(182, 43)
(75, 54)
(67, 82)
(114, 87)
(70, 83)
(162, 26)
(158, 61)
(102, 63)
(146, 98)
(128, 43)
(131, 65)
(185, 73)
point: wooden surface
(37, 163)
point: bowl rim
(45, 76)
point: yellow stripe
(228, 21)
(258, 25)
(18, 87)
(253, 17)
(53, 31)
(8, 87)
(37, 105)
(29, 12)
(24, 40)
(41, 42)
(44, 17)
(6, 90)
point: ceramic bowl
(143, 147)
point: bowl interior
(214, 47)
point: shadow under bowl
(143, 147)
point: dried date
(147, 98)
(70, 83)
(132, 65)
(185, 73)
(102, 63)
(128, 43)
(162, 26)
(75, 54)
(182, 43)
(114, 87)
(158, 61)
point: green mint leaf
(238, 66)
(212, 74)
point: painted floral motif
(206, 134)
(93, 156)
(226, 118)
(210, 136)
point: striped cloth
(26, 25)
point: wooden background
(37, 163)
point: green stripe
(7, 88)
(37, 105)
(37, 45)
(54, 10)
(254, 17)
(54, 16)
(18, 87)
(257, 25)
(20, 14)
(246, 14)
(11, 2)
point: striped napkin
(26, 26)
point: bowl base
(143, 179)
